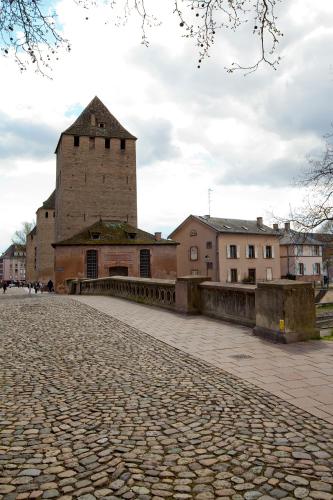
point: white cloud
(244, 137)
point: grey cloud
(275, 173)
(23, 139)
(155, 141)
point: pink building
(13, 263)
(227, 250)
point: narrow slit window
(122, 144)
(107, 143)
(46, 215)
(76, 141)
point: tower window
(76, 141)
(122, 143)
(46, 215)
(107, 143)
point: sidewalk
(301, 373)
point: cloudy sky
(245, 137)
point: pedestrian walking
(36, 287)
(50, 285)
(29, 286)
(4, 287)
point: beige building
(301, 255)
(13, 263)
(227, 250)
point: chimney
(287, 226)
(259, 222)
(158, 236)
(276, 227)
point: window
(233, 252)
(193, 232)
(145, 263)
(194, 253)
(268, 252)
(101, 125)
(251, 252)
(107, 143)
(118, 271)
(209, 245)
(46, 215)
(317, 268)
(209, 265)
(92, 264)
(195, 272)
(299, 250)
(95, 236)
(252, 275)
(122, 143)
(76, 141)
(91, 142)
(301, 268)
(53, 214)
(233, 275)
(315, 250)
(269, 274)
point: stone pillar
(188, 294)
(285, 311)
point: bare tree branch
(29, 33)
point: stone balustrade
(282, 310)
(154, 292)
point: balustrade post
(188, 294)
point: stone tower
(96, 172)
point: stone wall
(94, 183)
(234, 303)
(45, 238)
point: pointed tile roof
(50, 202)
(104, 124)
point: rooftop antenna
(209, 199)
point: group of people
(36, 286)
(39, 286)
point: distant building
(301, 255)
(227, 250)
(13, 263)
(111, 248)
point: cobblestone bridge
(91, 407)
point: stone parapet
(285, 311)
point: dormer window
(95, 236)
(131, 236)
(101, 125)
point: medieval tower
(96, 172)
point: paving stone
(110, 412)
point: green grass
(324, 307)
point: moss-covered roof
(113, 233)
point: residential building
(13, 263)
(227, 250)
(301, 255)
(114, 248)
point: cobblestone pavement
(93, 408)
(301, 373)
